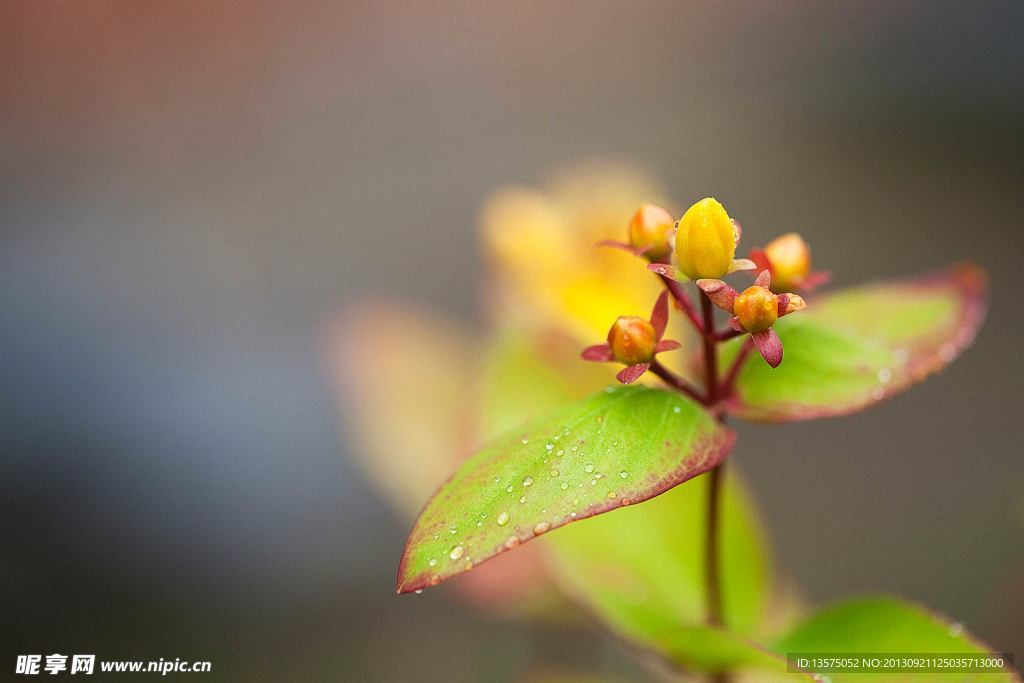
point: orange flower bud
(757, 308)
(651, 228)
(632, 340)
(705, 241)
(790, 259)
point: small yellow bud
(790, 259)
(632, 340)
(651, 227)
(705, 241)
(757, 308)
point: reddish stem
(676, 381)
(683, 299)
(729, 383)
(710, 350)
(711, 562)
(727, 334)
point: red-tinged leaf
(518, 487)
(721, 294)
(666, 270)
(769, 346)
(631, 373)
(667, 345)
(853, 348)
(659, 315)
(601, 353)
(783, 304)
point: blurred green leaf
(620, 446)
(851, 349)
(642, 570)
(886, 625)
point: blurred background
(191, 193)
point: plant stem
(711, 569)
(710, 350)
(711, 555)
(676, 381)
(729, 383)
(683, 300)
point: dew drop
(549, 446)
(593, 482)
(554, 473)
(525, 440)
(884, 375)
(432, 562)
(955, 629)
(434, 580)
(677, 409)
(453, 531)
(511, 542)
(565, 485)
(541, 528)
(878, 394)
(522, 499)
(419, 592)
(527, 481)
(573, 515)
(588, 469)
(496, 479)
(509, 488)
(598, 475)
(469, 565)
(575, 448)
(502, 518)
(623, 474)
(611, 495)
(456, 552)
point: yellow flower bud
(705, 241)
(757, 308)
(790, 259)
(632, 340)
(651, 227)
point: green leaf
(851, 349)
(886, 625)
(642, 570)
(707, 649)
(620, 446)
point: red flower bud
(757, 308)
(632, 340)
(651, 230)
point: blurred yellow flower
(542, 255)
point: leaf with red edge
(558, 470)
(851, 349)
